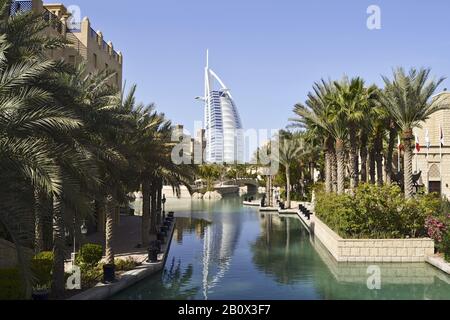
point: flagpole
(417, 154)
(399, 154)
(427, 141)
(441, 142)
(417, 161)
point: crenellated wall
(87, 45)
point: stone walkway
(104, 291)
(127, 237)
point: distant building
(223, 126)
(195, 146)
(198, 147)
(434, 161)
(86, 46)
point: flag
(399, 145)
(417, 144)
(427, 139)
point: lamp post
(84, 231)
(164, 206)
(66, 237)
(74, 253)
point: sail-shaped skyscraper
(223, 126)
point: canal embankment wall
(368, 250)
(371, 250)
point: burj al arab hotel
(223, 127)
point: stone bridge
(251, 184)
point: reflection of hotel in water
(219, 244)
(220, 233)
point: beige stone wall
(85, 44)
(106, 56)
(392, 273)
(428, 164)
(383, 250)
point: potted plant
(41, 267)
(41, 292)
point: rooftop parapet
(58, 18)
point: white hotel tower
(223, 126)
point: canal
(222, 250)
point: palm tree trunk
(38, 223)
(390, 155)
(288, 188)
(380, 178)
(153, 211)
(302, 183)
(145, 224)
(340, 156)
(372, 165)
(109, 234)
(269, 193)
(328, 168)
(328, 185)
(58, 284)
(353, 160)
(334, 171)
(364, 156)
(409, 188)
(159, 202)
(379, 158)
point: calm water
(223, 251)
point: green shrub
(376, 212)
(125, 265)
(90, 254)
(91, 275)
(41, 267)
(445, 246)
(11, 286)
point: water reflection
(223, 251)
(190, 225)
(281, 250)
(219, 232)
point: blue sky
(269, 53)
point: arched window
(434, 174)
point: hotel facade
(85, 44)
(223, 126)
(433, 159)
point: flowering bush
(436, 229)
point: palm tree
(353, 100)
(210, 173)
(290, 148)
(314, 116)
(338, 126)
(94, 164)
(407, 100)
(30, 122)
(25, 32)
